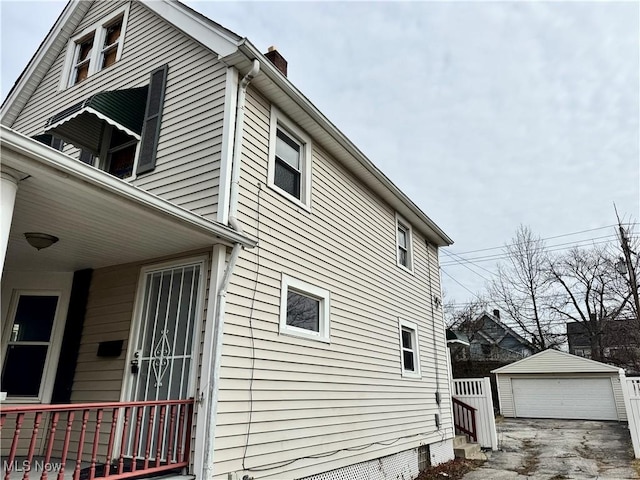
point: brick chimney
(278, 60)
(496, 313)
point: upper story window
(404, 244)
(95, 48)
(304, 310)
(289, 160)
(116, 131)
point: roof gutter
(269, 70)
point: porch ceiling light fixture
(40, 240)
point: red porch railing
(97, 440)
(464, 419)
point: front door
(162, 363)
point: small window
(287, 164)
(28, 347)
(111, 42)
(304, 310)
(404, 244)
(95, 48)
(289, 160)
(82, 59)
(121, 154)
(410, 356)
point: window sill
(411, 375)
(297, 202)
(290, 332)
(406, 269)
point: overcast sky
(487, 114)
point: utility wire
(552, 248)
(547, 238)
(443, 271)
(463, 261)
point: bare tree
(591, 292)
(521, 287)
(465, 319)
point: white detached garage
(553, 384)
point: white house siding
(188, 160)
(311, 398)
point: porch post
(8, 190)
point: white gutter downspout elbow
(236, 160)
(237, 147)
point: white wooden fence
(477, 393)
(631, 393)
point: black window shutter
(68, 360)
(152, 120)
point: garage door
(579, 398)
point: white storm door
(163, 350)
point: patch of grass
(636, 466)
(452, 470)
(559, 477)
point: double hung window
(410, 356)
(289, 160)
(404, 252)
(95, 48)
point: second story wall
(311, 397)
(188, 153)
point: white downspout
(236, 160)
(237, 147)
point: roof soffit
(197, 26)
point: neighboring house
(490, 339)
(620, 342)
(213, 259)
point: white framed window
(95, 48)
(404, 244)
(304, 310)
(409, 349)
(289, 160)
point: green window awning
(83, 124)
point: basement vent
(424, 458)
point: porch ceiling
(100, 220)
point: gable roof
(237, 52)
(507, 329)
(554, 361)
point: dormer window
(95, 48)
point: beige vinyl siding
(310, 398)
(109, 313)
(108, 317)
(505, 396)
(188, 160)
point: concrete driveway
(560, 449)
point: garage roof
(554, 361)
